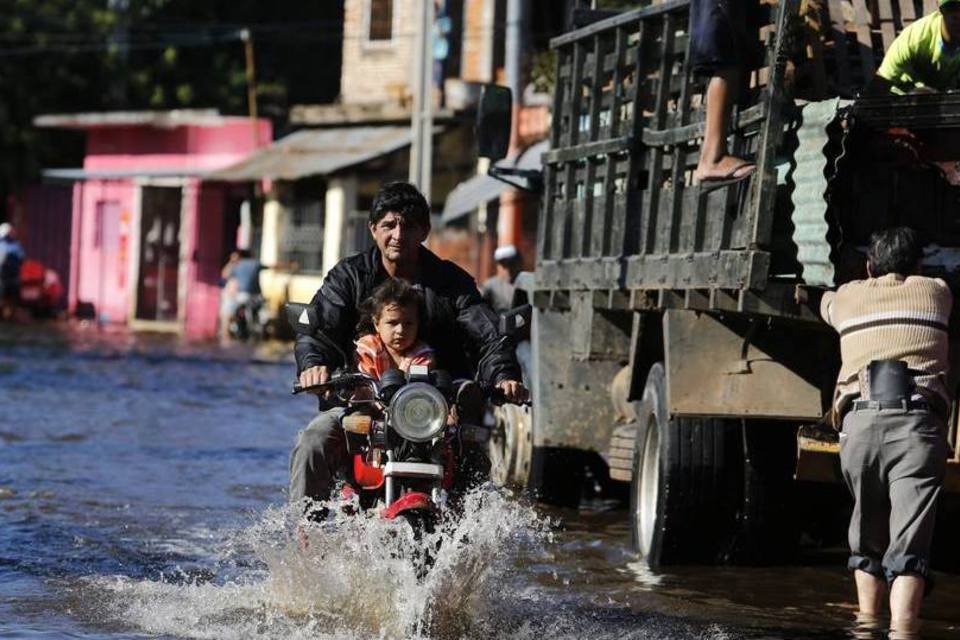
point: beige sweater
(891, 318)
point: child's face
(397, 326)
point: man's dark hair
(894, 250)
(390, 291)
(403, 199)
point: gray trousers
(893, 461)
(320, 452)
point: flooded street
(142, 490)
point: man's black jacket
(458, 324)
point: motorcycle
(248, 318)
(408, 454)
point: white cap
(506, 252)
(6, 230)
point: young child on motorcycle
(388, 329)
(390, 320)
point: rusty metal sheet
(316, 152)
(573, 406)
(737, 367)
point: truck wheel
(511, 446)
(686, 482)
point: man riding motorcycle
(460, 327)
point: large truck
(676, 343)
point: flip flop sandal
(710, 184)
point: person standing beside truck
(723, 47)
(498, 289)
(892, 401)
(925, 57)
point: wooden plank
(764, 183)
(576, 93)
(588, 150)
(907, 13)
(888, 30)
(602, 206)
(929, 6)
(839, 32)
(596, 88)
(656, 164)
(864, 39)
(677, 176)
(615, 107)
(623, 19)
(558, 100)
(545, 221)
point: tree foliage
(66, 56)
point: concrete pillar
(270, 232)
(341, 199)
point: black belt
(907, 405)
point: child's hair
(391, 291)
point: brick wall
(477, 61)
(377, 71)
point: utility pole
(421, 146)
(247, 39)
(509, 223)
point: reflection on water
(142, 490)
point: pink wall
(189, 148)
(204, 219)
(103, 243)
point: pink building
(149, 235)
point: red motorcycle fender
(367, 476)
(408, 502)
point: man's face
(398, 238)
(951, 20)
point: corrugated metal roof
(814, 167)
(316, 152)
(84, 174)
(467, 196)
(162, 119)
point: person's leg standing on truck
(724, 47)
(894, 403)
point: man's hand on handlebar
(513, 391)
(314, 376)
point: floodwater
(142, 495)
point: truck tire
(511, 446)
(687, 482)
(768, 527)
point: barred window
(381, 20)
(301, 235)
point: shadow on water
(140, 493)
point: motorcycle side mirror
(302, 317)
(494, 116)
(516, 320)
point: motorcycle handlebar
(344, 381)
(493, 394)
(497, 397)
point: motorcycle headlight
(418, 412)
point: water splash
(358, 578)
